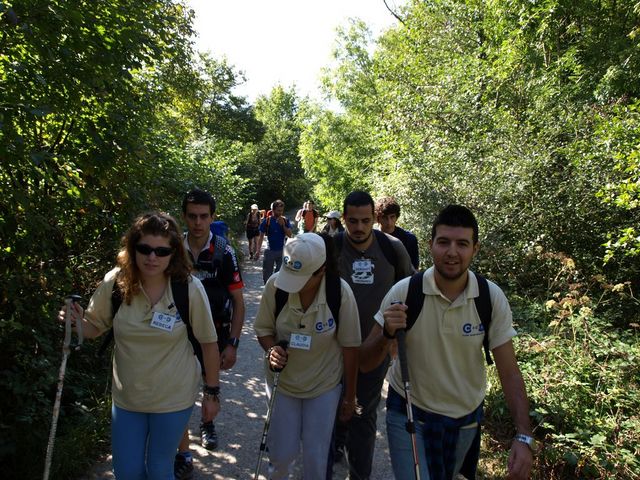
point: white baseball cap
(333, 214)
(254, 207)
(302, 256)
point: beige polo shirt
(154, 370)
(311, 372)
(444, 347)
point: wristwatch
(529, 441)
(234, 342)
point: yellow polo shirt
(444, 347)
(311, 372)
(154, 370)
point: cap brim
(291, 282)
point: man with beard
(445, 359)
(371, 262)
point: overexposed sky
(280, 41)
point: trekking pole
(267, 422)
(66, 350)
(410, 426)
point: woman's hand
(210, 407)
(277, 358)
(77, 312)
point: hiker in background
(445, 359)
(252, 225)
(371, 262)
(215, 264)
(333, 225)
(307, 217)
(277, 229)
(387, 214)
(156, 377)
(322, 350)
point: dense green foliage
(105, 111)
(527, 112)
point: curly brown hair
(151, 223)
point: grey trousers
(270, 259)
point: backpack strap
(415, 299)
(483, 306)
(389, 252)
(282, 298)
(116, 301)
(333, 291)
(217, 247)
(180, 292)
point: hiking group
(341, 310)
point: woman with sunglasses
(155, 373)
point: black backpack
(180, 292)
(385, 244)
(219, 296)
(333, 291)
(415, 301)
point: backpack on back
(333, 291)
(180, 293)
(415, 301)
(217, 293)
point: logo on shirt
(326, 325)
(470, 330)
(236, 277)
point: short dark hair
(456, 216)
(276, 204)
(199, 197)
(387, 206)
(357, 198)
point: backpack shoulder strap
(282, 298)
(483, 306)
(415, 298)
(388, 250)
(218, 245)
(116, 301)
(180, 292)
(333, 288)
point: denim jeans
(401, 451)
(144, 444)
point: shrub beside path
(244, 406)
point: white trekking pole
(66, 350)
(267, 422)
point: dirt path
(244, 407)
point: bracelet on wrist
(386, 334)
(211, 396)
(210, 390)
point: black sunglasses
(145, 249)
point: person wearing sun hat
(319, 352)
(333, 225)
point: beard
(357, 241)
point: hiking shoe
(208, 436)
(182, 469)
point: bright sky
(280, 41)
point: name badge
(300, 340)
(163, 321)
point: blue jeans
(144, 444)
(400, 446)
